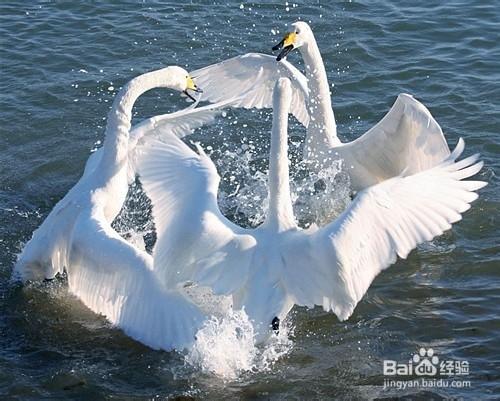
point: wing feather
(195, 241)
(114, 279)
(180, 123)
(335, 265)
(251, 78)
(408, 139)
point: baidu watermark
(426, 370)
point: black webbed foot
(275, 325)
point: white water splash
(243, 191)
(226, 347)
(318, 196)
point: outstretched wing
(334, 266)
(251, 77)
(407, 139)
(114, 279)
(180, 123)
(195, 241)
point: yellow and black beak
(287, 44)
(191, 86)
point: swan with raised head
(108, 274)
(407, 138)
(269, 269)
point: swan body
(269, 269)
(407, 139)
(108, 274)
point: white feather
(270, 268)
(251, 78)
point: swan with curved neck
(104, 185)
(117, 147)
(268, 269)
(108, 274)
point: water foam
(226, 347)
(318, 195)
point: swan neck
(322, 129)
(280, 215)
(116, 142)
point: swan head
(300, 35)
(180, 80)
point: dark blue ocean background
(61, 63)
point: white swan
(108, 274)
(408, 137)
(269, 269)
